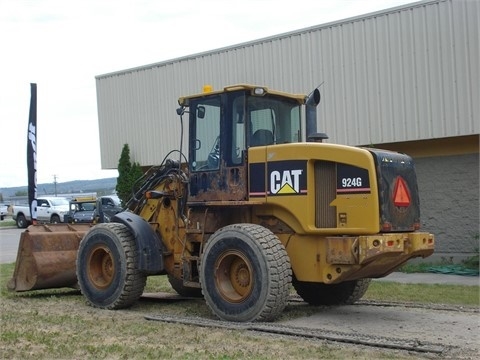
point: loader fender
(149, 244)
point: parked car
(111, 205)
(82, 211)
(89, 210)
(3, 211)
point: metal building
(405, 79)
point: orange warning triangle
(401, 195)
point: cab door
(217, 148)
(43, 210)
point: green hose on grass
(453, 269)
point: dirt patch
(50, 325)
(457, 330)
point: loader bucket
(46, 257)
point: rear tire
(177, 285)
(245, 273)
(107, 267)
(22, 222)
(55, 219)
(345, 293)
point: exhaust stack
(313, 99)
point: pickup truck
(50, 209)
(3, 211)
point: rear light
(386, 226)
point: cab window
(205, 115)
(273, 121)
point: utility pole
(55, 183)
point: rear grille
(325, 193)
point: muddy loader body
(252, 208)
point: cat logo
(285, 182)
(278, 178)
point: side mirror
(201, 112)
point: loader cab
(223, 125)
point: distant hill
(100, 186)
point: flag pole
(32, 153)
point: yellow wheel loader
(258, 202)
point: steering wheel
(214, 155)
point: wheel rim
(101, 267)
(233, 276)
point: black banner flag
(32, 153)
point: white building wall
(405, 74)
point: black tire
(177, 285)
(107, 267)
(345, 293)
(55, 219)
(22, 222)
(245, 273)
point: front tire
(345, 293)
(245, 273)
(107, 267)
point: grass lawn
(56, 323)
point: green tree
(128, 174)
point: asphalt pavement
(9, 239)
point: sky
(61, 45)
